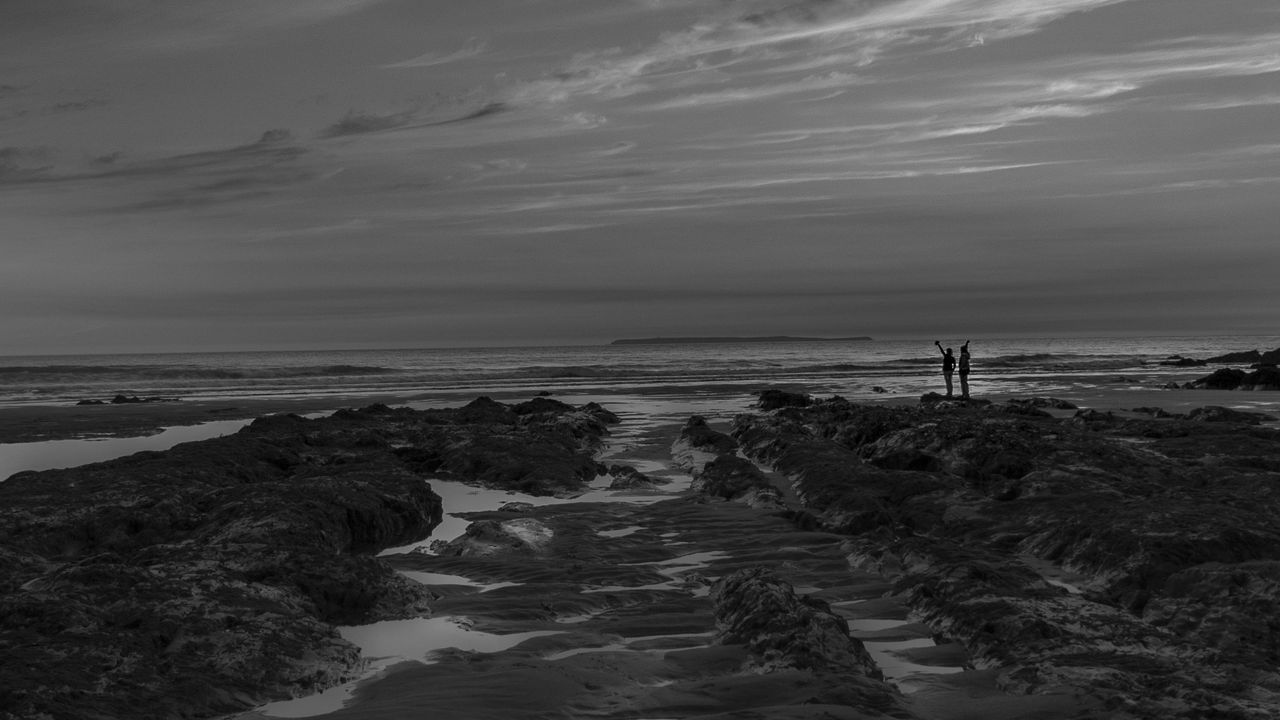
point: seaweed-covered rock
(781, 629)
(730, 477)
(209, 578)
(1165, 527)
(773, 398)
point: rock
(773, 398)
(781, 629)
(698, 444)
(128, 399)
(486, 538)
(878, 389)
(729, 477)
(209, 578)
(626, 477)
(1179, 361)
(1216, 413)
(1264, 378)
(1248, 356)
(1224, 606)
(1166, 528)
(1044, 402)
(91, 402)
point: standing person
(964, 370)
(948, 365)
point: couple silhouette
(949, 368)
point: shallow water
(51, 454)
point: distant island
(770, 338)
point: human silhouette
(948, 365)
(964, 370)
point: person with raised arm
(948, 365)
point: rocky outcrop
(210, 578)
(699, 444)
(773, 398)
(1254, 357)
(730, 477)
(488, 537)
(755, 608)
(1264, 378)
(1248, 356)
(1217, 413)
(975, 512)
(626, 477)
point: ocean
(853, 369)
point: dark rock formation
(1179, 361)
(931, 398)
(772, 399)
(698, 435)
(731, 477)
(1248, 356)
(1252, 357)
(1264, 378)
(1166, 528)
(626, 477)
(781, 629)
(1215, 413)
(209, 578)
(501, 537)
(1223, 379)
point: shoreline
(38, 423)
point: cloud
(190, 180)
(472, 48)
(363, 123)
(757, 93)
(359, 123)
(18, 164)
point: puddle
(430, 578)
(54, 454)
(460, 498)
(393, 641)
(620, 532)
(896, 668)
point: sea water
(649, 383)
(850, 368)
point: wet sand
(613, 619)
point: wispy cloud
(472, 48)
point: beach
(668, 550)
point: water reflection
(51, 454)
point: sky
(277, 174)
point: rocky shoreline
(827, 559)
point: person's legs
(948, 376)
(964, 385)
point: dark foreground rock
(1264, 378)
(781, 629)
(1256, 357)
(1130, 562)
(210, 578)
